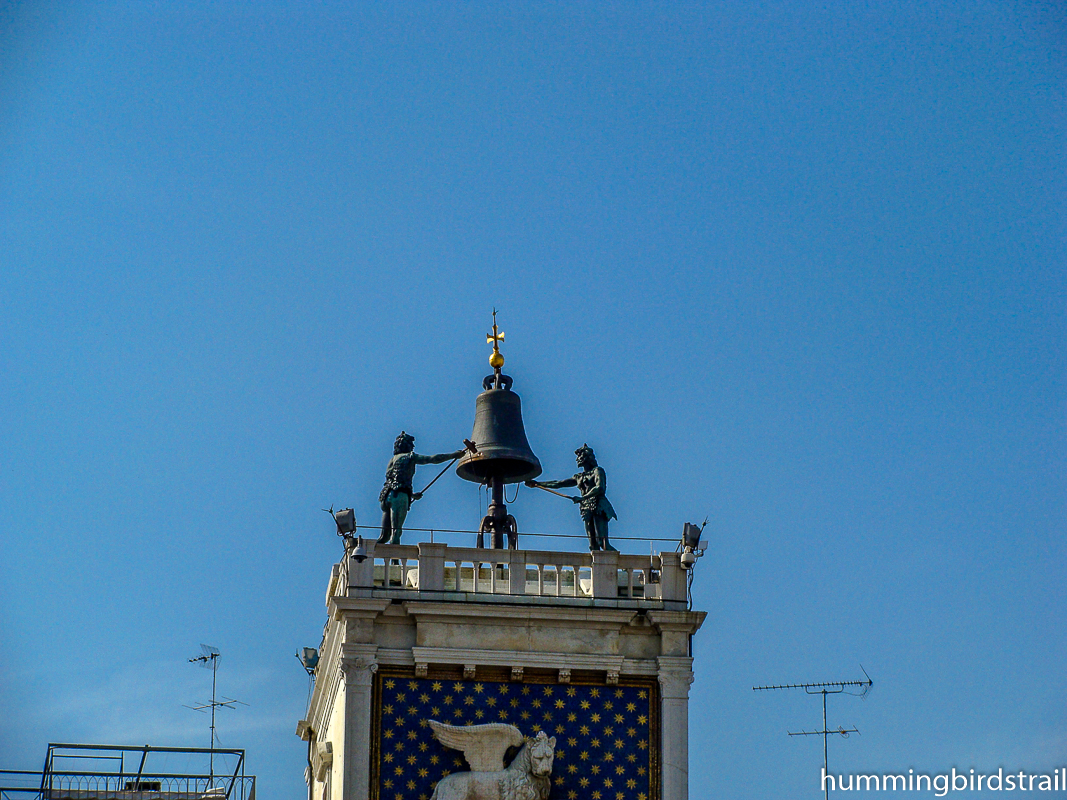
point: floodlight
(309, 658)
(346, 521)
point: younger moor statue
(398, 493)
(592, 483)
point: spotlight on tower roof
(345, 519)
(309, 658)
(691, 534)
(692, 547)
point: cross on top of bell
(496, 359)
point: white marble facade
(523, 617)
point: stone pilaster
(605, 573)
(358, 664)
(431, 567)
(675, 677)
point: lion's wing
(483, 745)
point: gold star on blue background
(605, 744)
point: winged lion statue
(527, 777)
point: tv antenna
(830, 687)
(209, 659)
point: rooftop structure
(591, 648)
(113, 772)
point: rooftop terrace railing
(114, 772)
(439, 569)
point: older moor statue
(397, 493)
(592, 482)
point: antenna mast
(209, 659)
(830, 687)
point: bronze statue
(397, 493)
(592, 482)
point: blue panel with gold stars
(606, 742)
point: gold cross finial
(496, 360)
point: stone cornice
(357, 606)
(684, 621)
(489, 600)
(327, 681)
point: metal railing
(124, 773)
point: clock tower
(451, 672)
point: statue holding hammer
(592, 482)
(397, 493)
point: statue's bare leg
(387, 525)
(394, 512)
(602, 534)
(591, 532)
(398, 513)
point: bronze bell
(504, 455)
(503, 450)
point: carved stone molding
(612, 677)
(468, 671)
(361, 662)
(516, 673)
(675, 683)
(564, 676)
(530, 659)
(358, 664)
(322, 760)
(422, 670)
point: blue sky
(798, 269)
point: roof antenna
(831, 687)
(209, 659)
